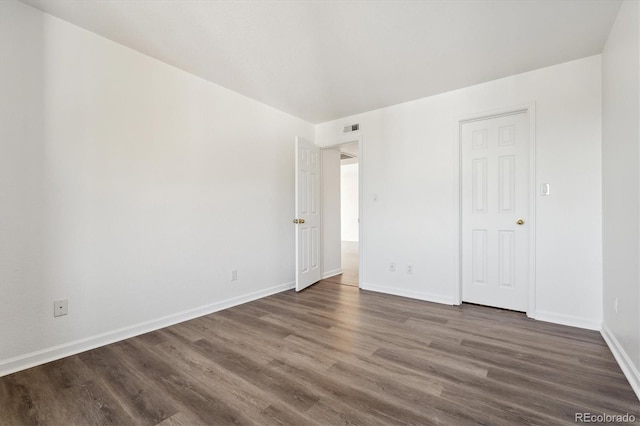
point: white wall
(409, 165)
(621, 190)
(331, 248)
(349, 202)
(131, 188)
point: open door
(307, 219)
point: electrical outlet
(234, 275)
(60, 307)
(409, 269)
(392, 267)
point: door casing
(529, 109)
(343, 141)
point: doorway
(496, 210)
(341, 222)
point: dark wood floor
(330, 355)
(350, 265)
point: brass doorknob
(301, 220)
(295, 220)
(520, 222)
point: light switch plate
(545, 189)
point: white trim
(53, 353)
(333, 273)
(457, 211)
(345, 141)
(628, 368)
(420, 295)
(321, 207)
(530, 109)
(569, 320)
(360, 210)
(533, 185)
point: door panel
(307, 220)
(495, 195)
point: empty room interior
(319, 212)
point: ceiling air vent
(351, 128)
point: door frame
(343, 140)
(530, 110)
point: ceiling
(322, 60)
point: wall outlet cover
(60, 307)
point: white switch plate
(545, 189)
(234, 275)
(60, 307)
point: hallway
(350, 266)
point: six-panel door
(307, 214)
(495, 207)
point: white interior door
(307, 221)
(495, 206)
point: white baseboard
(569, 320)
(628, 368)
(330, 274)
(420, 295)
(53, 353)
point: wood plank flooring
(330, 355)
(350, 265)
